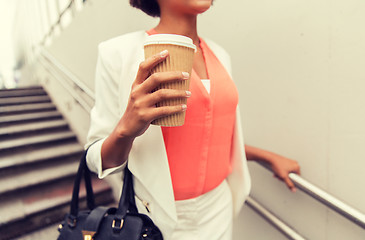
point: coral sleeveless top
(199, 152)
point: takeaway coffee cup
(181, 56)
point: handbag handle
(127, 202)
(82, 171)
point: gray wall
(298, 67)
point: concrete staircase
(39, 158)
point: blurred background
(299, 68)
(7, 59)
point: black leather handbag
(122, 223)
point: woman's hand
(141, 109)
(281, 166)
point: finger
(156, 79)
(166, 111)
(277, 177)
(166, 94)
(298, 171)
(147, 65)
(290, 184)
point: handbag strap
(83, 171)
(127, 202)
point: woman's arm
(280, 165)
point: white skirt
(207, 217)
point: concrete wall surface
(298, 66)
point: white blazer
(116, 70)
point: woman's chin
(201, 9)
(202, 5)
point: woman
(192, 179)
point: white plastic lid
(170, 39)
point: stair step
(62, 195)
(32, 127)
(23, 100)
(21, 88)
(45, 206)
(41, 175)
(38, 155)
(14, 144)
(22, 92)
(39, 158)
(25, 108)
(46, 233)
(19, 118)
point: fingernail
(184, 107)
(185, 75)
(164, 53)
(294, 190)
(188, 93)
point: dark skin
(177, 17)
(280, 165)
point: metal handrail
(57, 23)
(86, 106)
(76, 81)
(325, 198)
(284, 228)
(330, 201)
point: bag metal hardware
(71, 221)
(88, 235)
(121, 224)
(60, 226)
(147, 205)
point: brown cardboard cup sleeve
(181, 56)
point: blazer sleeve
(104, 115)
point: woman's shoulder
(123, 41)
(123, 46)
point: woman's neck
(182, 25)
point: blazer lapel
(148, 162)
